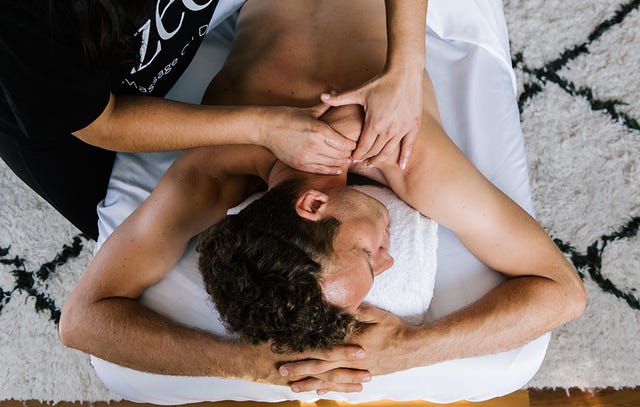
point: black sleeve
(46, 88)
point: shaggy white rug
(577, 65)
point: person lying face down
(287, 62)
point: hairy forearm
(406, 25)
(127, 333)
(514, 313)
(142, 123)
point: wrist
(262, 369)
(227, 358)
(261, 119)
(254, 123)
(410, 62)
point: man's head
(294, 264)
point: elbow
(575, 299)
(579, 303)
(98, 133)
(69, 328)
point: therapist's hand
(385, 342)
(392, 102)
(299, 139)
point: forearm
(127, 333)
(406, 26)
(514, 313)
(142, 123)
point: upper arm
(444, 185)
(99, 125)
(194, 193)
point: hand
(268, 367)
(385, 342)
(392, 102)
(300, 140)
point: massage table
(468, 59)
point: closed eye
(368, 258)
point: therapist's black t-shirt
(46, 90)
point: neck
(281, 172)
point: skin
(392, 99)
(360, 247)
(542, 290)
(295, 135)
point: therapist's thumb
(352, 97)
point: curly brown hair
(262, 269)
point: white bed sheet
(468, 60)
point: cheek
(360, 286)
(348, 289)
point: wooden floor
(523, 398)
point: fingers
(340, 380)
(369, 314)
(321, 163)
(321, 169)
(384, 146)
(353, 97)
(326, 165)
(389, 152)
(321, 387)
(381, 143)
(318, 110)
(321, 361)
(367, 138)
(340, 353)
(338, 141)
(407, 147)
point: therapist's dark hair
(262, 269)
(107, 30)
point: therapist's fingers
(338, 142)
(326, 133)
(322, 169)
(367, 138)
(378, 146)
(319, 109)
(334, 169)
(389, 152)
(407, 148)
(351, 97)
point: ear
(311, 205)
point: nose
(383, 262)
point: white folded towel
(406, 288)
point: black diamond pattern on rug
(591, 261)
(25, 281)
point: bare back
(287, 52)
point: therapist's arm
(145, 123)
(393, 99)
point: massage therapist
(83, 79)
